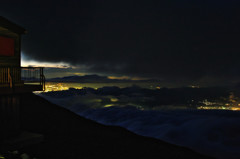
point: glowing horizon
(33, 63)
(28, 62)
(71, 70)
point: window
(6, 46)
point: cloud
(187, 41)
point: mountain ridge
(94, 78)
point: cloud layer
(168, 40)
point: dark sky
(192, 41)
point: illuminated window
(6, 46)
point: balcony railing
(12, 76)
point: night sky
(178, 41)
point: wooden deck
(15, 80)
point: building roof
(11, 26)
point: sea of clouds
(212, 132)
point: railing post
(40, 72)
(42, 79)
(10, 80)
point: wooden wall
(13, 61)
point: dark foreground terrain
(68, 136)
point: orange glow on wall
(6, 46)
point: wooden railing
(10, 75)
(22, 75)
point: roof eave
(12, 26)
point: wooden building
(14, 79)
